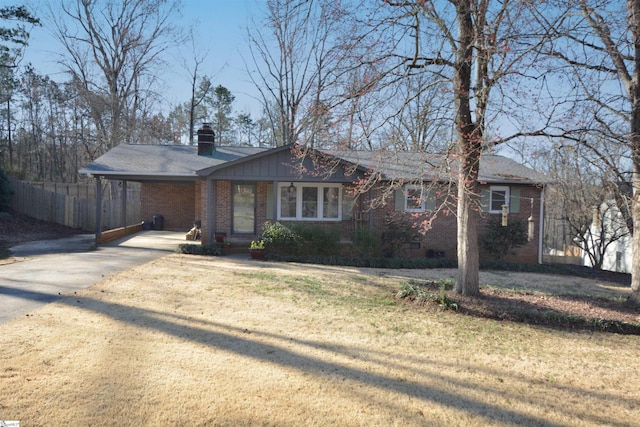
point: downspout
(541, 226)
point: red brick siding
(222, 206)
(442, 236)
(261, 205)
(176, 202)
(201, 208)
(199, 200)
(529, 252)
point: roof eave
(137, 176)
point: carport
(170, 187)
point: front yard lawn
(193, 340)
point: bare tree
(200, 87)
(476, 46)
(199, 91)
(294, 58)
(583, 198)
(111, 50)
(423, 121)
(475, 49)
(597, 44)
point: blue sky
(219, 27)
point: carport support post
(98, 209)
(123, 209)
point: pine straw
(189, 340)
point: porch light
(292, 188)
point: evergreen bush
(214, 249)
(500, 240)
(318, 240)
(368, 243)
(280, 239)
(5, 192)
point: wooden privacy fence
(74, 205)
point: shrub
(422, 295)
(5, 192)
(398, 231)
(500, 240)
(279, 239)
(214, 249)
(318, 240)
(368, 243)
(378, 262)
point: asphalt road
(44, 271)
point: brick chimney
(206, 140)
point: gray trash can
(158, 222)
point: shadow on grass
(250, 344)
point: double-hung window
(492, 198)
(309, 202)
(418, 199)
(498, 196)
(414, 200)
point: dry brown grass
(190, 340)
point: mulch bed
(557, 311)
(16, 228)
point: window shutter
(270, 202)
(399, 194)
(514, 201)
(485, 198)
(431, 200)
(348, 202)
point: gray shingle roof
(161, 161)
(177, 162)
(428, 167)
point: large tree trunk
(634, 15)
(469, 136)
(468, 280)
(635, 201)
(635, 264)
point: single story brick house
(232, 191)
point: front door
(244, 208)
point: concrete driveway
(44, 271)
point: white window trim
(507, 196)
(423, 201)
(320, 187)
